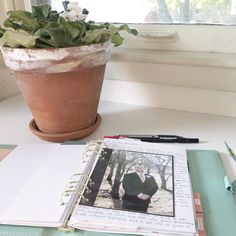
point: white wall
(8, 87)
(195, 85)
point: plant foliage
(44, 28)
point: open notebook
(117, 186)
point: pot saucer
(61, 137)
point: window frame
(194, 38)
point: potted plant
(59, 60)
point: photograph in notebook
(133, 181)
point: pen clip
(175, 139)
(167, 137)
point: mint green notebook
(207, 175)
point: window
(192, 26)
(159, 11)
(173, 25)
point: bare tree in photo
(162, 169)
(118, 165)
(112, 167)
(118, 175)
(163, 164)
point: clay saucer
(61, 137)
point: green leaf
(41, 10)
(2, 31)
(21, 20)
(54, 15)
(126, 28)
(113, 28)
(54, 35)
(40, 44)
(96, 36)
(116, 39)
(15, 39)
(75, 29)
(80, 26)
(44, 14)
(94, 26)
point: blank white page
(17, 168)
(38, 201)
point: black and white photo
(133, 181)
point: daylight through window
(158, 11)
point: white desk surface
(129, 119)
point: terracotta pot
(61, 86)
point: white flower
(74, 12)
(72, 15)
(73, 5)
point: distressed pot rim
(56, 60)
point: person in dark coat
(139, 188)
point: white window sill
(223, 60)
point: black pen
(159, 138)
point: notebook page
(38, 202)
(180, 219)
(17, 168)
